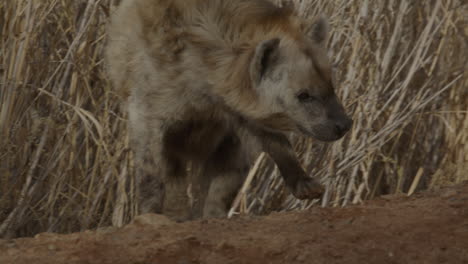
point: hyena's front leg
(150, 186)
(144, 143)
(161, 178)
(281, 151)
(162, 185)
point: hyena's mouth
(305, 131)
(321, 135)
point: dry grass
(65, 164)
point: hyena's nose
(343, 125)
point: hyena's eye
(305, 97)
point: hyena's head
(293, 80)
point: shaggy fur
(210, 84)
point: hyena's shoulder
(134, 42)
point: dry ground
(430, 227)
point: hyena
(211, 84)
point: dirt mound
(424, 228)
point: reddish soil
(429, 227)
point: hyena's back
(189, 44)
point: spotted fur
(211, 83)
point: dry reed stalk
(65, 163)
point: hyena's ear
(266, 55)
(318, 32)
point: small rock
(221, 245)
(9, 243)
(154, 220)
(448, 193)
(301, 257)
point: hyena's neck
(225, 34)
(232, 84)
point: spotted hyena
(211, 84)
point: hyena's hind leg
(176, 203)
(227, 170)
(199, 189)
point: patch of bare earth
(429, 227)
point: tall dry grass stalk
(65, 163)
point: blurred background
(65, 163)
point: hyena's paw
(213, 210)
(179, 218)
(307, 188)
(215, 213)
